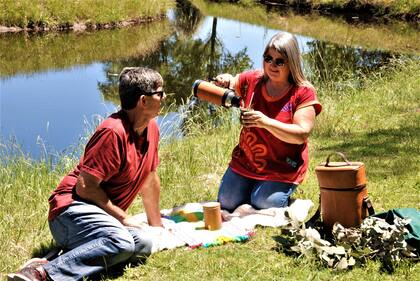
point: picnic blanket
(184, 225)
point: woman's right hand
(224, 80)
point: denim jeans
(93, 241)
(236, 190)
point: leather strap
(311, 222)
(342, 157)
(368, 204)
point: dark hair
(136, 81)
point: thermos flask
(215, 94)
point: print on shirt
(287, 107)
(253, 151)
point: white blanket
(236, 226)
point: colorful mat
(184, 226)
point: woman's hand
(223, 80)
(253, 118)
(295, 133)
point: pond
(56, 87)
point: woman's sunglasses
(279, 62)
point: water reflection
(181, 61)
(58, 99)
(25, 53)
(186, 18)
(332, 65)
(51, 111)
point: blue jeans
(94, 241)
(236, 190)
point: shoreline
(366, 9)
(366, 12)
(81, 26)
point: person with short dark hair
(278, 115)
(87, 215)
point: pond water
(55, 88)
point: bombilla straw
(250, 100)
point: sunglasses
(279, 62)
(159, 93)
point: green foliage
(388, 7)
(55, 13)
(25, 186)
(376, 239)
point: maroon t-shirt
(259, 154)
(116, 155)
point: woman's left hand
(254, 118)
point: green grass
(393, 8)
(378, 125)
(388, 8)
(58, 13)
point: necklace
(275, 93)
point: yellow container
(212, 216)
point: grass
(388, 8)
(377, 124)
(393, 8)
(57, 13)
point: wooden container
(212, 216)
(342, 192)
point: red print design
(253, 151)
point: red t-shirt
(116, 155)
(259, 154)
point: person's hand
(169, 225)
(223, 80)
(253, 118)
(132, 222)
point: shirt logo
(287, 107)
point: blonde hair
(286, 45)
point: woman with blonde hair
(278, 115)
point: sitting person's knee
(124, 245)
(227, 204)
(145, 246)
(272, 201)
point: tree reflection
(187, 17)
(333, 65)
(181, 60)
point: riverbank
(407, 10)
(57, 15)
